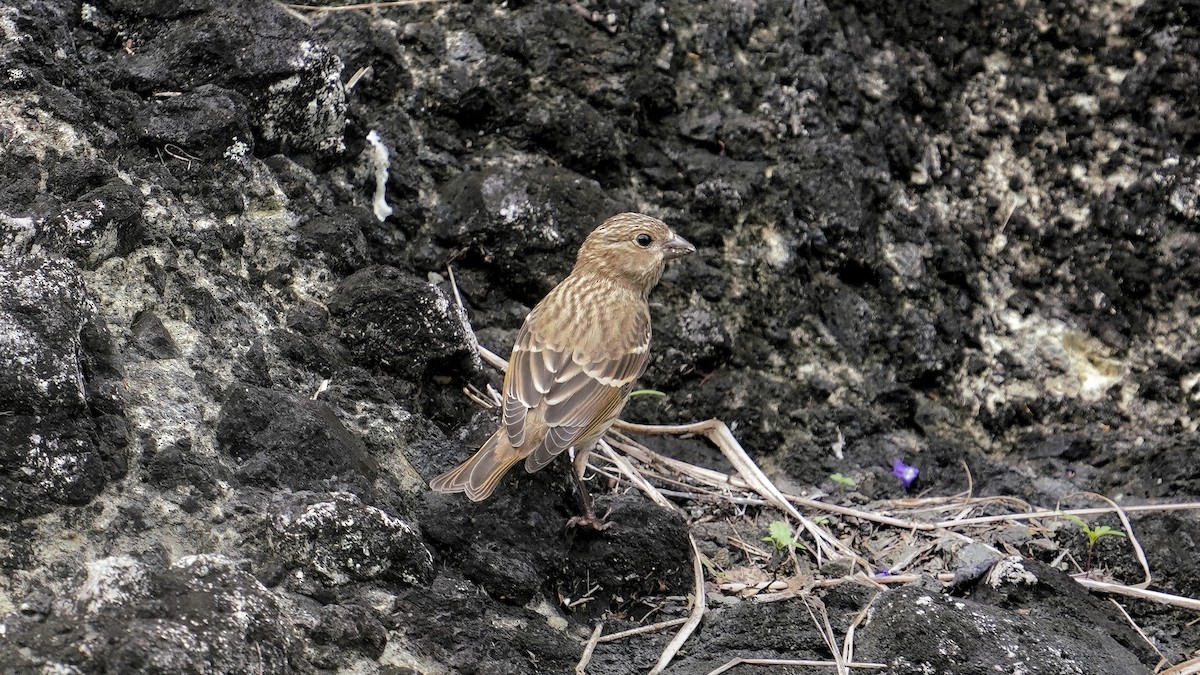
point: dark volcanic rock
(283, 440)
(525, 224)
(129, 617)
(992, 629)
(207, 122)
(400, 324)
(62, 437)
(296, 101)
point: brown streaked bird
(576, 358)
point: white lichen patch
(776, 252)
(112, 581)
(308, 109)
(167, 404)
(344, 540)
(33, 132)
(238, 151)
(554, 617)
(399, 656)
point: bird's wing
(578, 395)
(531, 371)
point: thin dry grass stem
(699, 604)
(1143, 593)
(848, 642)
(1043, 513)
(719, 434)
(912, 554)
(493, 360)
(802, 663)
(1140, 632)
(970, 478)
(820, 618)
(1133, 540)
(357, 6)
(930, 504)
(880, 582)
(1190, 667)
(351, 84)
(180, 154)
(715, 498)
(589, 649)
(642, 630)
(749, 550)
(862, 515)
(636, 478)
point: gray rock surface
(942, 232)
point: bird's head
(631, 248)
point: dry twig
(699, 603)
(642, 630)
(589, 649)
(791, 662)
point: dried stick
(588, 649)
(1143, 593)
(699, 604)
(848, 643)
(790, 662)
(1141, 633)
(815, 606)
(1190, 667)
(636, 478)
(642, 630)
(1042, 513)
(719, 434)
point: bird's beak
(677, 247)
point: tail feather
(479, 476)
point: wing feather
(555, 399)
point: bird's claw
(588, 522)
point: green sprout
(647, 392)
(844, 482)
(781, 537)
(1093, 535)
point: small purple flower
(883, 573)
(907, 474)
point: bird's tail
(480, 475)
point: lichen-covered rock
(256, 49)
(341, 540)
(929, 231)
(62, 436)
(200, 615)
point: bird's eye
(643, 240)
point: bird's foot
(588, 522)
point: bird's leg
(588, 520)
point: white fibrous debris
(380, 162)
